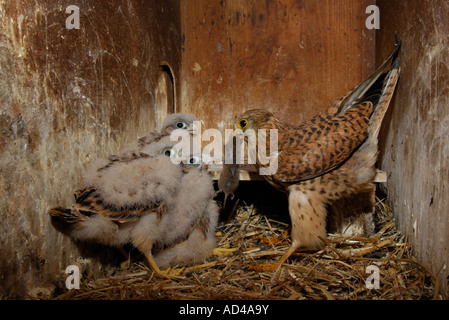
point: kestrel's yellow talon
(125, 264)
(287, 254)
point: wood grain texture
(290, 57)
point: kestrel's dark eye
(181, 125)
(242, 124)
(167, 152)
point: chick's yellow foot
(173, 272)
(127, 263)
(165, 274)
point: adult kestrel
(329, 156)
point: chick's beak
(193, 129)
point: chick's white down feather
(99, 229)
(185, 233)
(139, 181)
(197, 247)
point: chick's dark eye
(167, 152)
(181, 125)
(194, 160)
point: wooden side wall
(415, 150)
(66, 96)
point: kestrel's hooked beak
(238, 132)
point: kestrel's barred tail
(364, 89)
(385, 98)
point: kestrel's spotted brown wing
(313, 150)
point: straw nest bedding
(247, 269)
